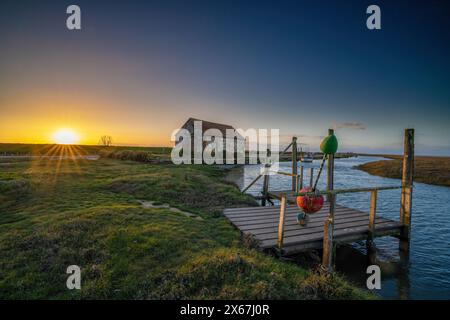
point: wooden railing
(329, 223)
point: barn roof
(211, 125)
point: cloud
(350, 125)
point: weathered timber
(263, 223)
(407, 189)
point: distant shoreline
(427, 169)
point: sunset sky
(137, 70)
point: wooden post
(407, 188)
(294, 162)
(328, 246)
(373, 210)
(265, 189)
(330, 169)
(301, 179)
(281, 222)
(266, 181)
(311, 177)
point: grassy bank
(427, 169)
(52, 149)
(57, 213)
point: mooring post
(265, 189)
(266, 181)
(407, 188)
(281, 222)
(330, 168)
(328, 245)
(294, 162)
(311, 177)
(301, 178)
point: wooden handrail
(337, 191)
(251, 183)
(268, 166)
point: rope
(320, 171)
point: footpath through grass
(57, 213)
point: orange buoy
(310, 204)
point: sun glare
(65, 136)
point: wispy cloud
(350, 125)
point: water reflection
(353, 260)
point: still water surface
(426, 275)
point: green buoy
(329, 145)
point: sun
(65, 136)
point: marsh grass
(431, 170)
(57, 213)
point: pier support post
(265, 189)
(330, 168)
(294, 163)
(407, 188)
(328, 245)
(300, 187)
(265, 192)
(311, 177)
(371, 251)
(281, 223)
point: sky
(137, 70)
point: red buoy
(309, 204)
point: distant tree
(105, 141)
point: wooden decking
(262, 223)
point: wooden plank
(362, 230)
(268, 214)
(343, 232)
(256, 211)
(316, 226)
(304, 246)
(260, 227)
(314, 230)
(290, 212)
(291, 219)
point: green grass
(55, 214)
(42, 149)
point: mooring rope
(320, 171)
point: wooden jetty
(350, 225)
(275, 227)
